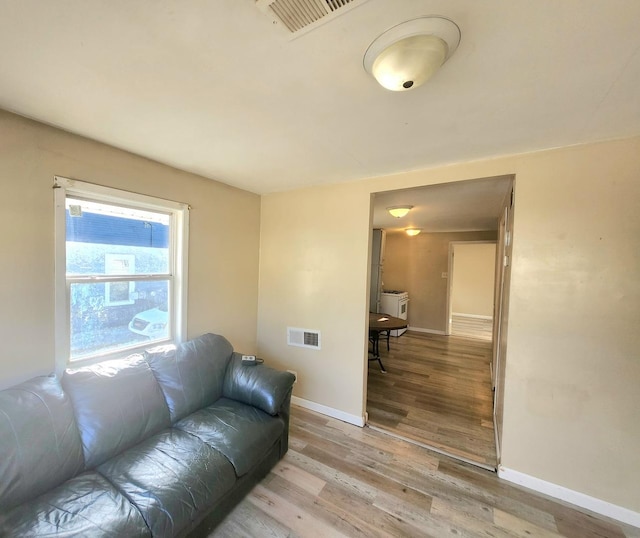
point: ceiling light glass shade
(409, 62)
(399, 211)
(413, 231)
(407, 55)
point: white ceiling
(461, 206)
(214, 87)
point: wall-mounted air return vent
(303, 338)
(298, 15)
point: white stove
(395, 303)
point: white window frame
(178, 270)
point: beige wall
(313, 275)
(416, 264)
(572, 369)
(224, 239)
(472, 280)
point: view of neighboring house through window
(123, 271)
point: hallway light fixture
(408, 54)
(399, 211)
(413, 231)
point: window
(120, 271)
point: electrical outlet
(445, 275)
(295, 374)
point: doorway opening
(471, 292)
(439, 390)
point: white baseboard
(568, 495)
(475, 316)
(430, 331)
(329, 411)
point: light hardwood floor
(341, 480)
(437, 392)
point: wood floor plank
(379, 522)
(470, 522)
(333, 476)
(436, 392)
(303, 479)
(378, 486)
(249, 521)
(521, 527)
(414, 514)
(291, 514)
(322, 508)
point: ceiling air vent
(297, 15)
(303, 338)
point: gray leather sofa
(163, 443)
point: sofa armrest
(257, 385)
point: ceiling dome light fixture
(407, 55)
(413, 231)
(399, 211)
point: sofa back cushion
(40, 446)
(191, 374)
(117, 404)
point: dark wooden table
(379, 323)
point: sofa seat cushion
(244, 434)
(86, 505)
(172, 478)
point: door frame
(450, 270)
(500, 317)
(501, 321)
